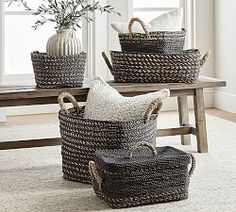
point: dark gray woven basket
(58, 72)
(165, 42)
(125, 178)
(82, 137)
(156, 68)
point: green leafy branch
(66, 14)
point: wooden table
(29, 95)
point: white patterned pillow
(171, 21)
(107, 104)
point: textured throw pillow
(171, 21)
(107, 104)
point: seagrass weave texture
(60, 71)
(126, 178)
(165, 42)
(82, 137)
(157, 68)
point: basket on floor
(126, 178)
(166, 42)
(82, 137)
(156, 68)
(58, 71)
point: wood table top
(30, 91)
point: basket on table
(166, 42)
(126, 178)
(58, 71)
(82, 137)
(156, 68)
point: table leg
(184, 118)
(200, 121)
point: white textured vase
(64, 42)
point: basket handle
(204, 59)
(144, 26)
(71, 98)
(107, 61)
(193, 165)
(142, 144)
(93, 170)
(153, 108)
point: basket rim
(184, 52)
(155, 32)
(108, 157)
(69, 112)
(45, 55)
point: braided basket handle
(153, 108)
(204, 59)
(93, 170)
(71, 98)
(144, 26)
(107, 61)
(142, 144)
(193, 165)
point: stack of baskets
(156, 57)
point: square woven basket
(82, 137)
(126, 178)
(58, 71)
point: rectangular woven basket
(140, 67)
(126, 178)
(165, 42)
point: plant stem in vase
(67, 16)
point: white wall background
(204, 32)
(225, 58)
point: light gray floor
(31, 179)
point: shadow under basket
(82, 137)
(59, 71)
(139, 67)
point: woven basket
(126, 178)
(60, 71)
(82, 137)
(165, 42)
(156, 68)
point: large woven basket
(166, 42)
(156, 68)
(60, 71)
(82, 137)
(126, 178)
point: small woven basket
(58, 72)
(156, 68)
(126, 178)
(82, 137)
(165, 42)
